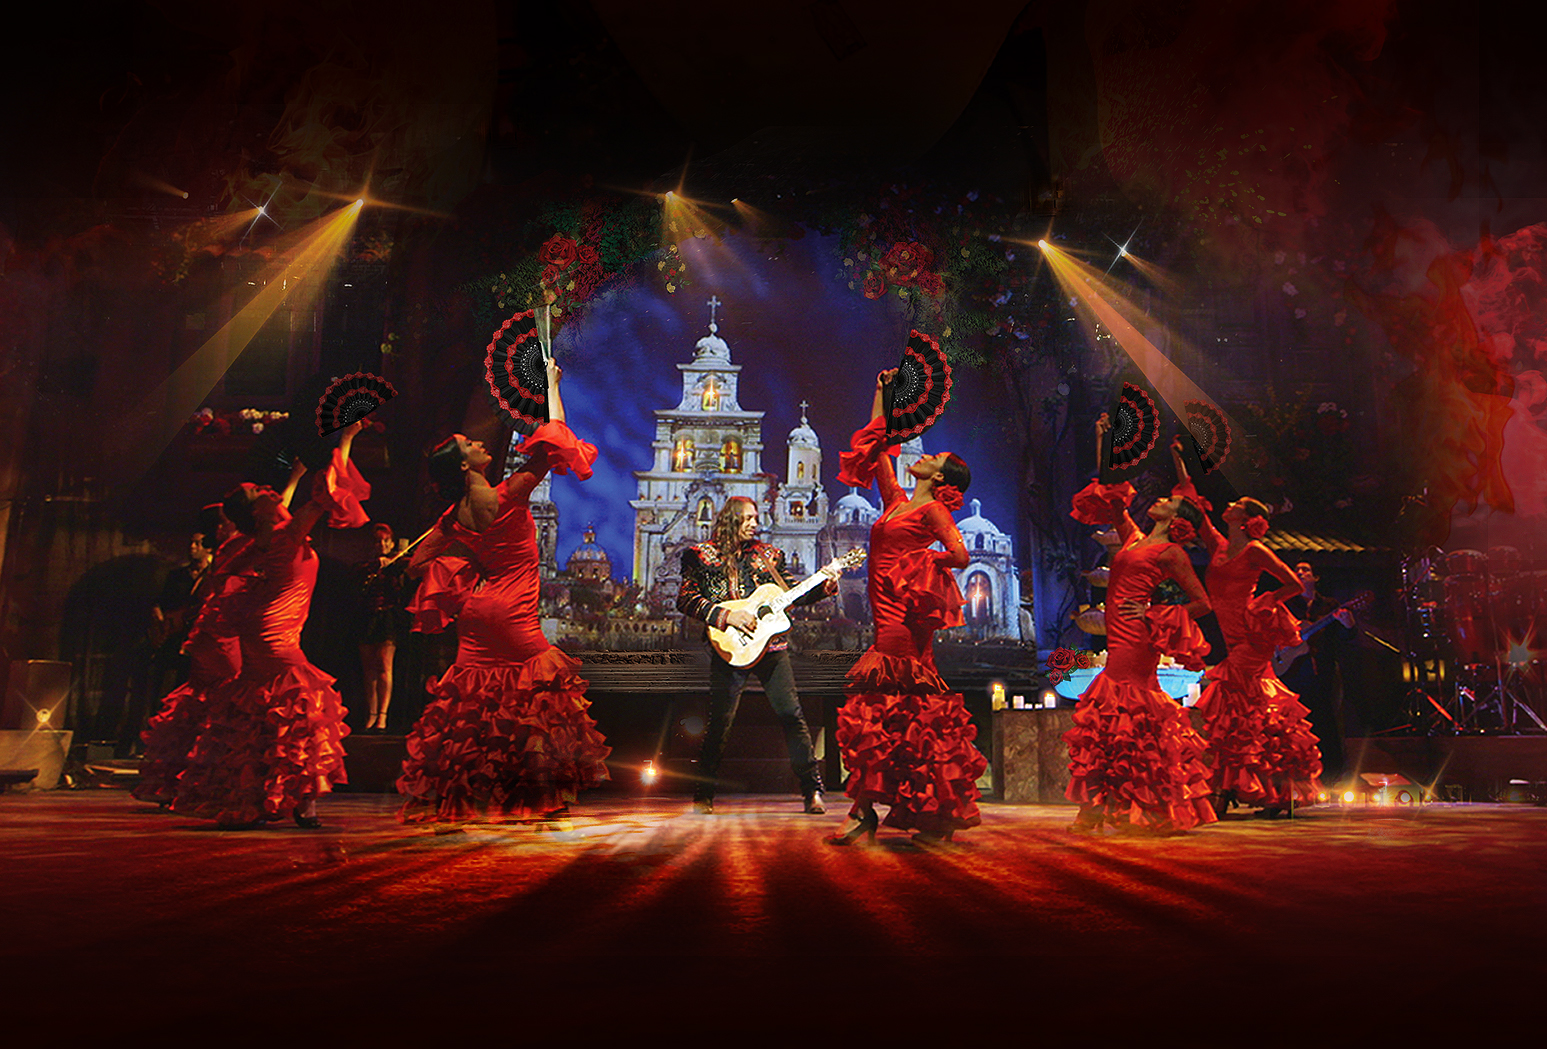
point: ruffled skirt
(508, 741)
(1259, 740)
(170, 735)
(168, 738)
(906, 739)
(1135, 760)
(267, 743)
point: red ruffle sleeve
(1271, 623)
(447, 584)
(566, 452)
(1102, 504)
(1175, 633)
(341, 490)
(857, 466)
(928, 590)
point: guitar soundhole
(763, 610)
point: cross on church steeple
(714, 303)
(803, 406)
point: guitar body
(1285, 658)
(740, 649)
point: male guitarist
(1315, 675)
(730, 566)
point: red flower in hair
(1182, 530)
(949, 496)
(1257, 527)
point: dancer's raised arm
(1209, 535)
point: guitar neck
(799, 590)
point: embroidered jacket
(707, 581)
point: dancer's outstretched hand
(555, 373)
(884, 377)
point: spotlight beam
(158, 418)
(1093, 292)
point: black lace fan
(515, 366)
(913, 401)
(351, 399)
(1210, 432)
(1135, 428)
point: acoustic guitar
(741, 648)
(1285, 658)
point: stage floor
(644, 920)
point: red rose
(1085, 661)
(1055, 676)
(558, 251)
(875, 286)
(931, 284)
(1061, 659)
(587, 255)
(904, 260)
(550, 274)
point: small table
(1031, 760)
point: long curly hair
(725, 534)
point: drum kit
(1478, 628)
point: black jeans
(725, 685)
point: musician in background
(728, 567)
(172, 616)
(385, 589)
(1315, 675)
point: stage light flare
(152, 182)
(294, 278)
(1348, 796)
(649, 773)
(1105, 304)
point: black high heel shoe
(306, 822)
(864, 829)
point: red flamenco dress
(905, 737)
(1261, 744)
(507, 733)
(273, 735)
(214, 655)
(1134, 758)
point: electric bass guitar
(1285, 658)
(742, 648)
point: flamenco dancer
(1262, 749)
(507, 733)
(213, 650)
(904, 735)
(1134, 759)
(272, 736)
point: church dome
(712, 348)
(855, 508)
(976, 524)
(589, 560)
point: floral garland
(221, 422)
